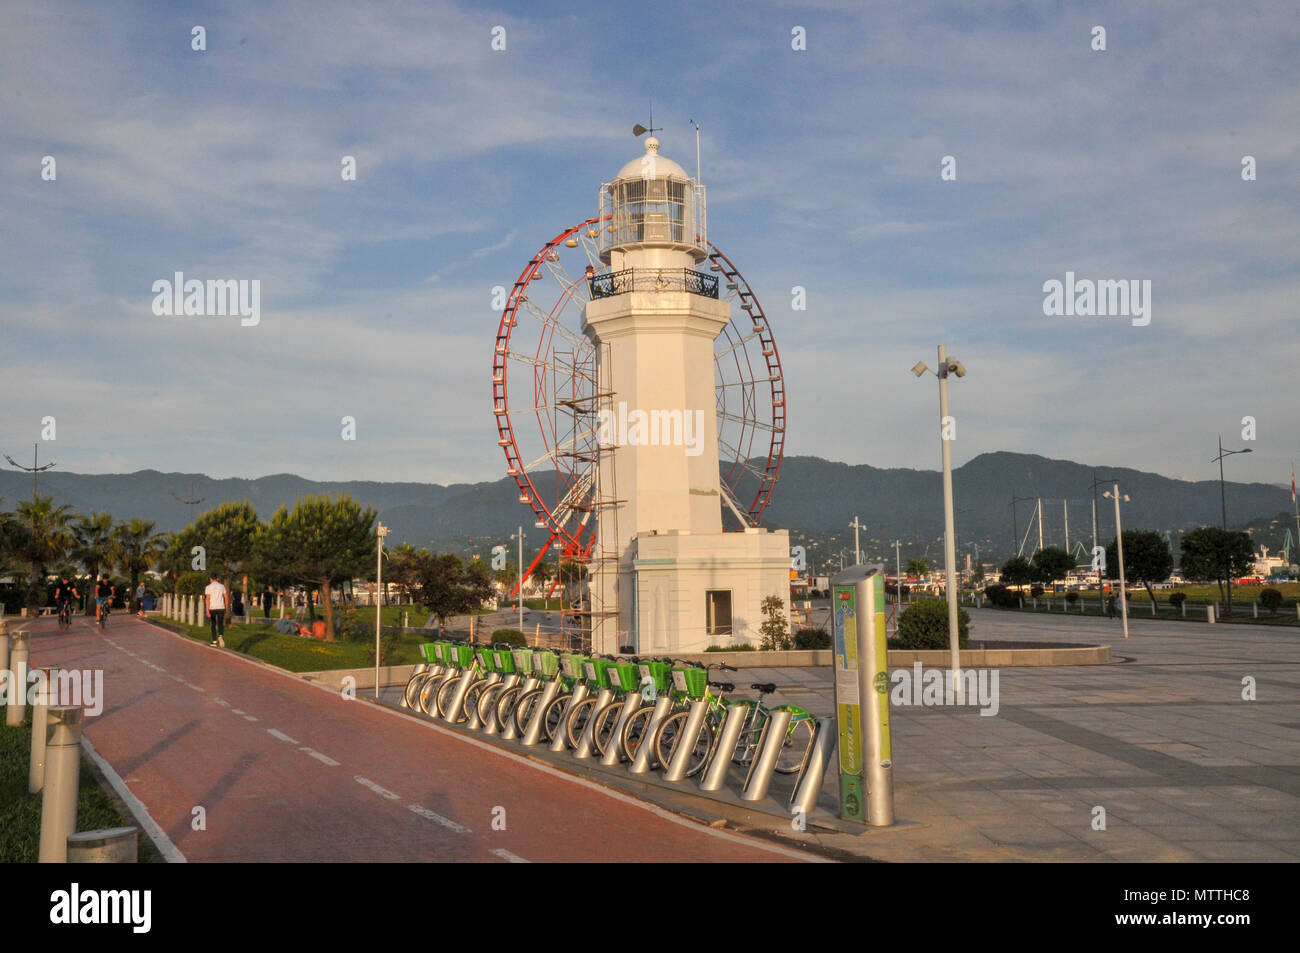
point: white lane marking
(324, 759)
(237, 711)
(250, 718)
(178, 678)
(281, 735)
(141, 813)
(222, 702)
(382, 792)
(506, 855)
(437, 818)
(197, 688)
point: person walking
(139, 600)
(1110, 607)
(214, 605)
(268, 597)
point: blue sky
(823, 171)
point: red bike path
(289, 771)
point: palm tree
(92, 547)
(40, 537)
(136, 548)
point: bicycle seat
(725, 686)
(765, 688)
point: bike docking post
(59, 795)
(558, 743)
(770, 742)
(17, 687)
(583, 751)
(533, 733)
(458, 697)
(681, 758)
(511, 730)
(612, 754)
(862, 696)
(45, 681)
(809, 785)
(475, 722)
(715, 775)
(420, 669)
(641, 763)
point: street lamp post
(380, 532)
(520, 601)
(1119, 549)
(1223, 503)
(948, 366)
(857, 547)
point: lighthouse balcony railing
(612, 283)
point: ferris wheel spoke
(538, 362)
(560, 450)
(739, 344)
(748, 422)
(741, 461)
(550, 323)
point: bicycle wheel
(472, 697)
(606, 725)
(576, 720)
(428, 697)
(553, 717)
(446, 692)
(487, 703)
(413, 686)
(634, 732)
(522, 707)
(798, 742)
(670, 734)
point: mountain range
(814, 499)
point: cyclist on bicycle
(65, 593)
(104, 593)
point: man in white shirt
(214, 605)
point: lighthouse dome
(653, 203)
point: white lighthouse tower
(665, 577)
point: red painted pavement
(196, 731)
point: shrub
(774, 631)
(1071, 597)
(1270, 599)
(738, 647)
(1035, 590)
(812, 639)
(512, 637)
(924, 625)
(192, 583)
(1176, 599)
(1002, 597)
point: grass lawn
(297, 654)
(20, 812)
(392, 615)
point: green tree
(918, 567)
(1050, 564)
(136, 548)
(446, 586)
(977, 574)
(228, 535)
(774, 632)
(92, 547)
(320, 542)
(1214, 553)
(1146, 559)
(39, 536)
(1017, 571)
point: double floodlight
(952, 366)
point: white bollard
(40, 709)
(62, 774)
(17, 707)
(1254, 609)
(113, 845)
(1209, 614)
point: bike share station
(652, 724)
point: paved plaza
(1160, 738)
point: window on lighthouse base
(717, 611)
